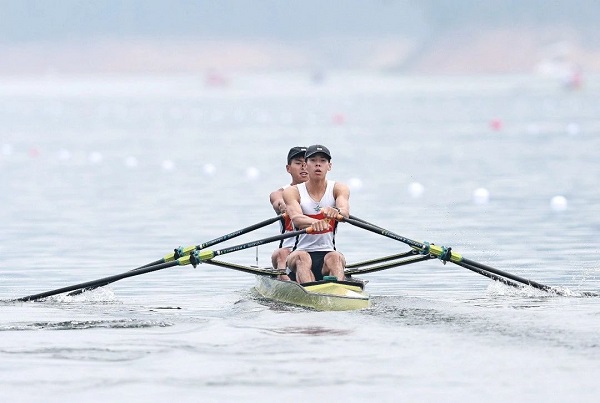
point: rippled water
(102, 175)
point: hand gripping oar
(193, 258)
(180, 252)
(446, 254)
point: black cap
(315, 149)
(295, 152)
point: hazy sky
(439, 36)
(24, 20)
(34, 20)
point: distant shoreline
(499, 51)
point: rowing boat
(324, 295)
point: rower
(317, 203)
(297, 170)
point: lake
(100, 175)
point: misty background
(404, 36)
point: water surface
(101, 175)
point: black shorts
(318, 259)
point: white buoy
(95, 157)
(533, 129)
(7, 149)
(64, 155)
(209, 169)
(355, 184)
(168, 165)
(559, 203)
(415, 189)
(481, 196)
(573, 129)
(131, 162)
(252, 173)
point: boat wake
(496, 288)
(97, 295)
(81, 354)
(309, 331)
(101, 295)
(85, 324)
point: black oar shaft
(382, 231)
(89, 288)
(514, 277)
(99, 282)
(372, 269)
(208, 254)
(488, 274)
(361, 220)
(451, 256)
(245, 269)
(381, 259)
(196, 257)
(237, 233)
(186, 251)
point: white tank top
(321, 241)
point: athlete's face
(317, 166)
(297, 169)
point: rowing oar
(246, 269)
(363, 221)
(180, 252)
(371, 269)
(397, 256)
(193, 258)
(446, 254)
(408, 258)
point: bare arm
(291, 197)
(341, 194)
(276, 198)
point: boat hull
(319, 295)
